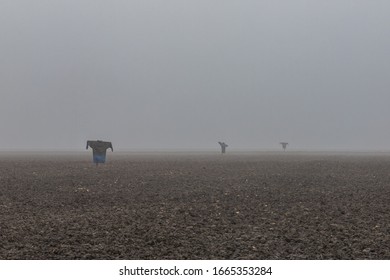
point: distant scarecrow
(284, 145)
(223, 146)
(99, 150)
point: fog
(177, 74)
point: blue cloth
(99, 158)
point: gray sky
(177, 74)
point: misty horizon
(183, 75)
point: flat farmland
(148, 206)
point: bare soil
(195, 206)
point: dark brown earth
(195, 206)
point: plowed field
(195, 206)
